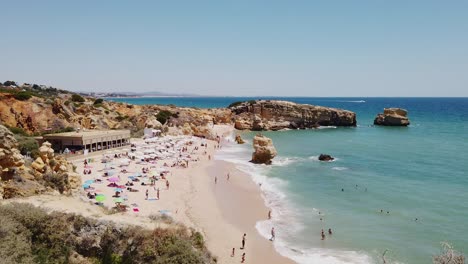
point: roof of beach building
(91, 134)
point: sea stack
(392, 117)
(264, 151)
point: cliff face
(39, 115)
(276, 115)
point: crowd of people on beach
(141, 169)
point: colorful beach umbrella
(113, 179)
(89, 182)
(119, 200)
(100, 198)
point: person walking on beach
(157, 194)
(228, 176)
(272, 234)
(243, 258)
(216, 179)
(323, 235)
(233, 252)
(243, 240)
(146, 194)
(269, 214)
(167, 184)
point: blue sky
(283, 48)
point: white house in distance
(151, 132)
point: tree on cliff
(10, 83)
(77, 98)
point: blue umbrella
(86, 186)
(89, 182)
(118, 190)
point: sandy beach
(223, 212)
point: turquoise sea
(420, 171)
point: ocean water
(420, 171)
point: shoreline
(228, 209)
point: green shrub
(57, 181)
(235, 104)
(18, 131)
(98, 101)
(22, 96)
(66, 103)
(163, 116)
(31, 235)
(27, 144)
(77, 98)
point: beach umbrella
(117, 190)
(89, 182)
(100, 198)
(119, 200)
(86, 186)
(113, 179)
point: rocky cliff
(392, 117)
(275, 115)
(22, 178)
(40, 115)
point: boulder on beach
(239, 140)
(392, 117)
(325, 157)
(264, 151)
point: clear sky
(284, 48)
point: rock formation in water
(325, 157)
(264, 151)
(276, 115)
(392, 117)
(239, 140)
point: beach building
(90, 140)
(151, 132)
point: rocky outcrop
(239, 140)
(264, 151)
(10, 156)
(48, 172)
(392, 117)
(325, 157)
(39, 114)
(276, 115)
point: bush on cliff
(235, 104)
(17, 131)
(26, 144)
(98, 101)
(31, 235)
(22, 96)
(77, 98)
(163, 116)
